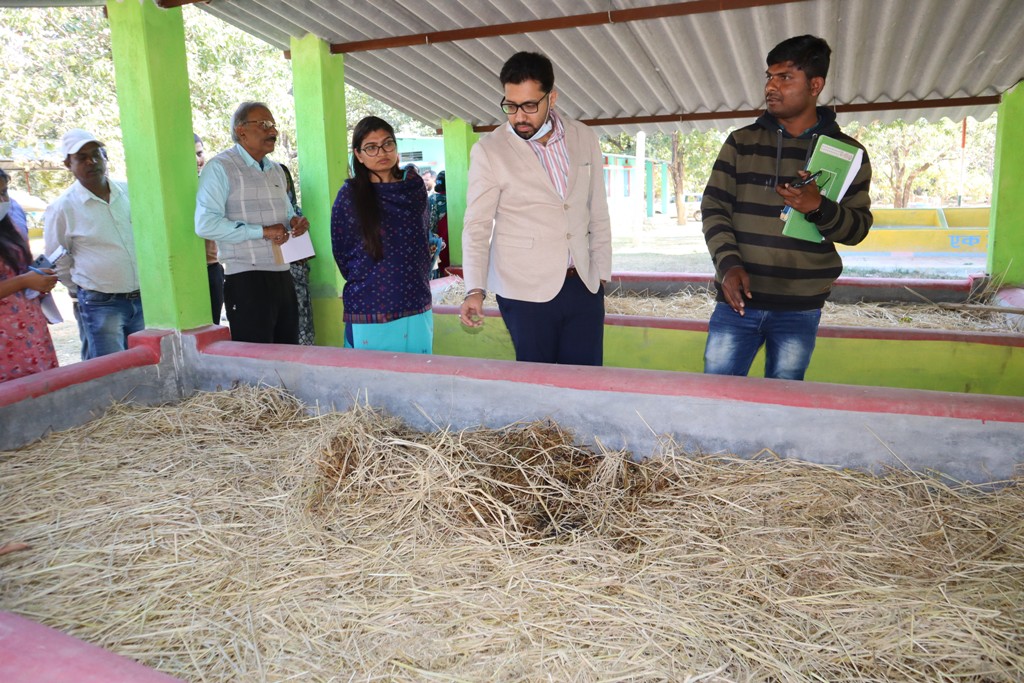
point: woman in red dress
(25, 343)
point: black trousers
(568, 329)
(262, 307)
(215, 274)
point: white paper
(297, 248)
(57, 254)
(50, 309)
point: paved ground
(660, 246)
(663, 246)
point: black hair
(13, 248)
(528, 66)
(364, 196)
(808, 53)
(196, 137)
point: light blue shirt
(17, 215)
(212, 197)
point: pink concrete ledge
(33, 653)
(656, 382)
(144, 349)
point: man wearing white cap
(92, 221)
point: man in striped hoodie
(771, 287)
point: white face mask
(542, 131)
(4, 208)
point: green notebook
(838, 163)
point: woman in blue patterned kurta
(379, 235)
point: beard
(527, 133)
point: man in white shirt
(92, 221)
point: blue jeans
(733, 341)
(108, 319)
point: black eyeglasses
(265, 125)
(528, 107)
(387, 146)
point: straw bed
(234, 537)
(698, 304)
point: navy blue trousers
(569, 329)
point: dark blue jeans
(108, 319)
(733, 341)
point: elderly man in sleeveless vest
(243, 206)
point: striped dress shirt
(554, 156)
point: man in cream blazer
(536, 229)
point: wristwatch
(815, 215)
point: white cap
(75, 139)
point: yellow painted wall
(953, 231)
(951, 240)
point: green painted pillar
(318, 85)
(156, 121)
(459, 138)
(1006, 228)
(649, 187)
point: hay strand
(236, 537)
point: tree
(60, 75)
(689, 156)
(902, 154)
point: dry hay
(698, 303)
(233, 537)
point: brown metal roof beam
(167, 4)
(675, 9)
(748, 113)
(919, 104)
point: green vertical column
(1006, 228)
(318, 85)
(156, 122)
(649, 187)
(459, 138)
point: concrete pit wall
(970, 438)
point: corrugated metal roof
(884, 51)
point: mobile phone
(806, 181)
(42, 262)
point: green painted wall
(318, 85)
(962, 367)
(451, 338)
(156, 118)
(1006, 237)
(459, 138)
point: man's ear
(817, 85)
